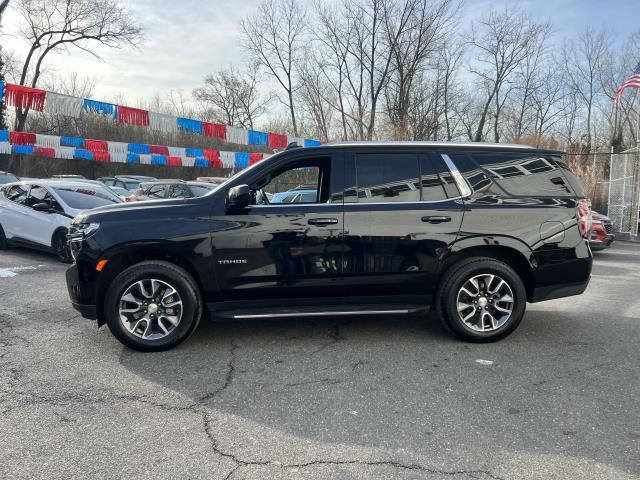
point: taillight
(583, 210)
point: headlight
(82, 231)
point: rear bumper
(541, 294)
(561, 272)
(602, 243)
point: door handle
(323, 221)
(436, 219)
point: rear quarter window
(522, 174)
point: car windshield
(132, 185)
(200, 190)
(7, 178)
(85, 197)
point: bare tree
(582, 61)
(317, 94)
(503, 40)
(274, 36)
(57, 25)
(416, 31)
(232, 97)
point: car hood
(128, 210)
(599, 217)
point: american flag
(632, 82)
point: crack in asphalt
(231, 371)
(241, 463)
(334, 335)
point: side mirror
(238, 197)
(42, 207)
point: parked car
(123, 193)
(601, 232)
(38, 214)
(162, 189)
(475, 230)
(66, 176)
(214, 180)
(129, 182)
(7, 177)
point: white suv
(38, 213)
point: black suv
(475, 230)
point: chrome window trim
(464, 188)
(416, 202)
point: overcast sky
(186, 39)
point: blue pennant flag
(100, 107)
(189, 125)
(83, 154)
(133, 158)
(1, 91)
(139, 148)
(23, 149)
(201, 162)
(158, 159)
(4, 135)
(311, 143)
(242, 159)
(194, 152)
(258, 138)
(72, 142)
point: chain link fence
(623, 191)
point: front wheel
(481, 300)
(61, 247)
(3, 240)
(152, 306)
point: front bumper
(79, 299)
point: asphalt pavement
(362, 398)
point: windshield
(200, 190)
(131, 186)
(7, 178)
(85, 197)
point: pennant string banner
(24, 97)
(119, 152)
(63, 105)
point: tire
(483, 309)
(161, 329)
(60, 246)
(3, 240)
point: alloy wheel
(485, 302)
(150, 309)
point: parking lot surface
(378, 397)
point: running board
(246, 316)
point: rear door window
(387, 177)
(157, 191)
(18, 193)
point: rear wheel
(153, 306)
(61, 246)
(482, 300)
